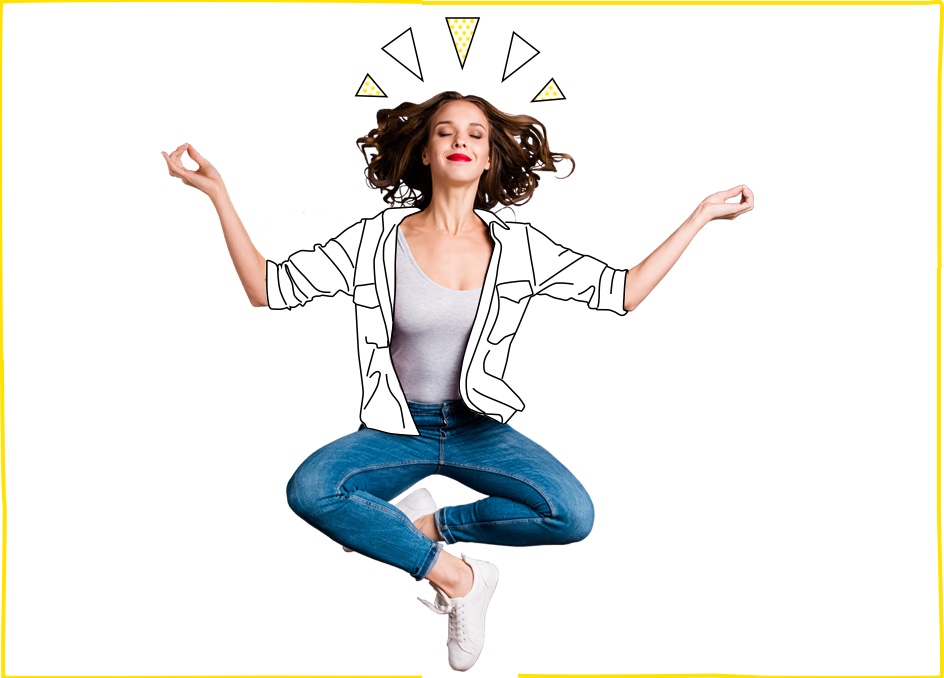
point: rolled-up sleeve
(561, 273)
(322, 271)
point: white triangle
(520, 52)
(403, 49)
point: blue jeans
(344, 488)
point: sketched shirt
(361, 262)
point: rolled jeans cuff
(442, 528)
(429, 562)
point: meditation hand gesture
(250, 265)
(206, 178)
(715, 207)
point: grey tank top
(431, 328)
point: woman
(434, 397)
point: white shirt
(361, 262)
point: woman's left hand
(714, 206)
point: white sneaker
(415, 505)
(467, 614)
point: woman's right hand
(250, 265)
(206, 178)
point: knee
(576, 517)
(293, 493)
(305, 495)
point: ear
(425, 157)
(488, 163)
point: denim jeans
(344, 488)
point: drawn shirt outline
(361, 262)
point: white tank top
(431, 328)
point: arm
(644, 276)
(559, 272)
(250, 265)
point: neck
(452, 210)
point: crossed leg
(344, 489)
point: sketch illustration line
(462, 30)
(370, 88)
(402, 49)
(550, 92)
(520, 52)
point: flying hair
(394, 154)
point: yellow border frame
(434, 3)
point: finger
(739, 209)
(167, 159)
(173, 164)
(729, 210)
(179, 151)
(748, 195)
(747, 200)
(721, 196)
(175, 168)
(199, 159)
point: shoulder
(373, 229)
(392, 216)
(501, 229)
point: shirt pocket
(371, 328)
(513, 299)
(366, 296)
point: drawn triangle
(403, 50)
(462, 29)
(369, 88)
(520, 52)
(550, 92)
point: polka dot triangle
(551, 92)
(462, 30)
(369, 88)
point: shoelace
(456, 612)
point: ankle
(461, 582)
(427, 525)
(453, 576)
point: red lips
(458, 157)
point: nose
(459, 142)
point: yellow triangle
(551, 92)
(462, 30)
(369, 88)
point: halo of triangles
(402, 49)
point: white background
(758, 437)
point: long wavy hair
(518, 150)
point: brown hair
(517, 150)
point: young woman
(439, 286)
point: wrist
(699, 218)
(218, 195)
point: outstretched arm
(644, 276)
(250, 265)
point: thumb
(731, 192)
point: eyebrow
(450, 122)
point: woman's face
(457, 150)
